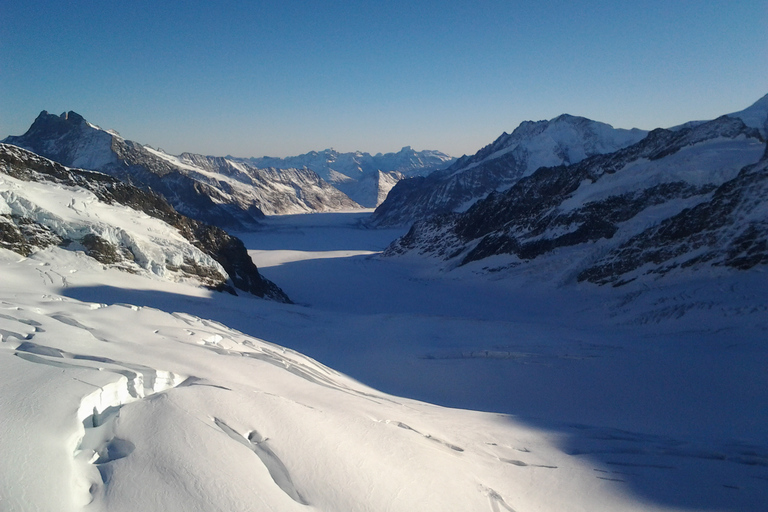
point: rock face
(107, 219)
(730, 229)
(561, 141)
(364, 177)
(213, 190)
(676, 199)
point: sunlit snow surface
(125, 393)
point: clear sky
(285, 77)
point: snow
(597, 399)
(73, 212)
(712, 162)
(364, 178)
(563, 139)
(176, 162)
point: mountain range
(128, 384)
(364, 177)
(226, 191)
(213, 190)
(689, 197)
(564, 140)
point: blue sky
(280, 78)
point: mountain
(677, 199)
(44, 204)
(730, 229)
(560, 141)
(124, 393)
(364, 177)
(213, 190)
(276, 191)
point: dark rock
(101, 250)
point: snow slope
(652, 384)
(755, 116)
(181, 412)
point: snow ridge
(755, 116)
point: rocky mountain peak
(52, 125)
(68, 139)
(72, 117)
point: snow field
(620, 400)
(180, 413)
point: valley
(662, 388)
(588, 335)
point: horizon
(287, 78)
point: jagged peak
(72, 117)
(65, 122)
(568, 118)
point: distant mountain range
(364, 177)
(563, 140)
(595, 203)
(693, 196)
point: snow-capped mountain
(213, 190)
(44, 204)
(127, 386)
(560, 141)
(364, 177)
(678, 198)
(276, 191)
